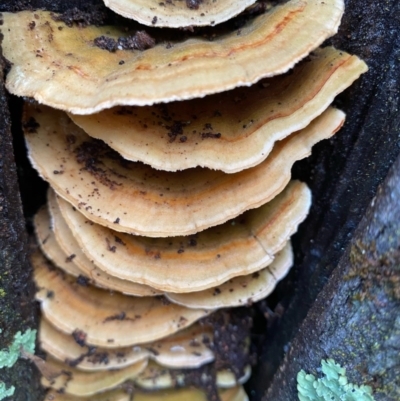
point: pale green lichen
(332, 387)
(6, 392)
(10, 356)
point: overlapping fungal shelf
(166, 210)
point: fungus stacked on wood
(164, 215)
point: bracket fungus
(63, 69)
(82, 384)
(160, 214)
(178, 13)
(132, 197)
(241, 290)
(184, 349)
(155, 377)
(230, 131)
(233, 394)
(69, 245)
(205, 260)
(105, 319)
(49, 245)
(146, 376)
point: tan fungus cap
(82, 384)
(135, 198)
(230, 131)
(184, 394)
(156, 377)
(102, 318)
(70, 247)
(184, 349)
(242, 290)
(49, 245)
(187, 264)
(178, 13)
(59, 66)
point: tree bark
(343, 175)
(18, 310)
(356, 318)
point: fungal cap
(179, 13)
(135, 198)
(242, 290)
(184, 394)
(230, 131)
(180, 350)
(83, 384)
(66, 241)
(155, 377)
(101, 318)
(206, 260)
(49, 245)
(62, 68)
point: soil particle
(83, 281)
(193, 4)
(141, 40)
(75, 16)
(80, 337)
(89, 154)
(31, 126)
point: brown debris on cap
(102, 318)
(156, 377)
(183, 394)
(132, 197)
(83, 384)
(60, 67)
(49, 245)
(66, 241)
(230, 131)
(184, 349)
(207, 259)
(242, 290)
(178, 13)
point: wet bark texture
(17, 309)
(356, 318)
(344, 174)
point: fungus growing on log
(49, 245)
(105, 319)
(61, 68)
(184, 349)
(132, 197)
(178, 13)
(208, 259)
(232, 394)
(230, 131)
(241, 290)
(100, 278)
(185, 216)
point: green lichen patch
(25, 340)
(332, 387)
(6, 392)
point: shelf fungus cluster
(168, 212)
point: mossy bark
(343, 175)
(18, 310)
(356, 318)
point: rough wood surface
(356, 318)
(344, 177)
(17, 309)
